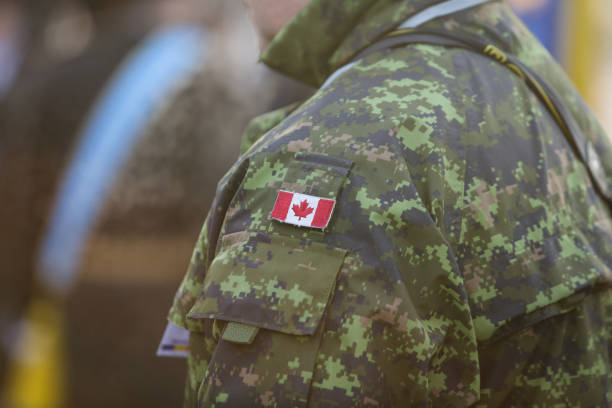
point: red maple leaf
(303, 210)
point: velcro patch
(240, 333)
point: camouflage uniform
(468, 258)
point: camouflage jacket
(467, 260)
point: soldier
(431, 228)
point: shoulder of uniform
(414, 61)
(391, 82)
(261, 124)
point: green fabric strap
(240, 333)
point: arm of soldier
(199, 349)
(423, 196)
(191, 285)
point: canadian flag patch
(302, 210)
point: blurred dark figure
(169, 182)
(39, 121)
(72, 49)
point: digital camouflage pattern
(468, 259)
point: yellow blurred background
(584, 40)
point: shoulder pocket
(275, 283)
(272, 292)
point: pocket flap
(271, 282)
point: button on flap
(270, 282)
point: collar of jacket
(326, 34)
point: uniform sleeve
(192, 282)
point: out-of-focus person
(59, 124)
(40, 121)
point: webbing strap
(584, 148)
(440, 10)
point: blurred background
(117, 118)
